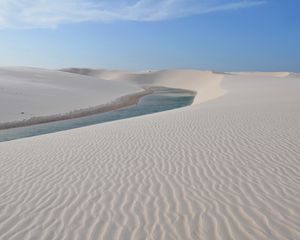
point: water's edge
(158, 100)
(119, 103)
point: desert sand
(31, 92)
(227, 167)
(205, 83)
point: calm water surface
(161, 99)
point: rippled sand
(228, 168)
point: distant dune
(227, 167)
(264, 74)
(206, 83)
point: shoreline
(121, 102)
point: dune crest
(207, 84)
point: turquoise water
(161, 99)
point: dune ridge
(227, 168)
(207, 84)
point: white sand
(228, 168)
(39, 92)
(206, 83)
(263, 74)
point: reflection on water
(161, 99)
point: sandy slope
(224, 169)
(31, 92)
(206, 83)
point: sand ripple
(196, 173)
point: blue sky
(224, 35)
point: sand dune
(294, 75)
(224, 169)
(264, 74)
(205, 83)
(31, 92)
